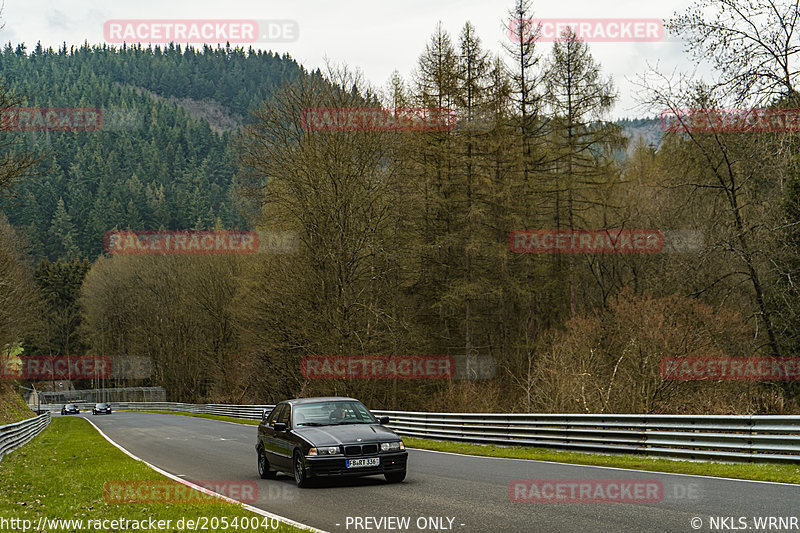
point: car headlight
(326, 450)
(392, 446)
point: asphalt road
(445, 492)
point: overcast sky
(375, 36)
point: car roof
(301, 401)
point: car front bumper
(336, 466)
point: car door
(269, 438)
(284, 440)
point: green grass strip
(60, 475)
(199, 415)
(776, 472)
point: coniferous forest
(153, 165)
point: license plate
(355, 463)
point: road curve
(444, 492)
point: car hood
(346, 434)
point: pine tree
(582, 142)
(63, 234)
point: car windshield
(69, 406)
(331, 413)
(101, 405)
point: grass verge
(782, 473)
(199, 415)
(60, 475)
(12, 406)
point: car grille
(366, 449)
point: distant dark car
(70, 409)
(316, 437)
(102, 409)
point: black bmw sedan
(102, 409)
(70, 409)
(332, 436)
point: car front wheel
(395, 477)
(300, 477)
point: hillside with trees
(157, 162)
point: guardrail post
(644, 434)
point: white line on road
(204, 490)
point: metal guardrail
(13, 436)
(111, 394)
(252, 412)
(735, 438)
(698, 437)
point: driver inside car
(338, 414)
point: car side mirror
(383, 420)
(279, 426)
